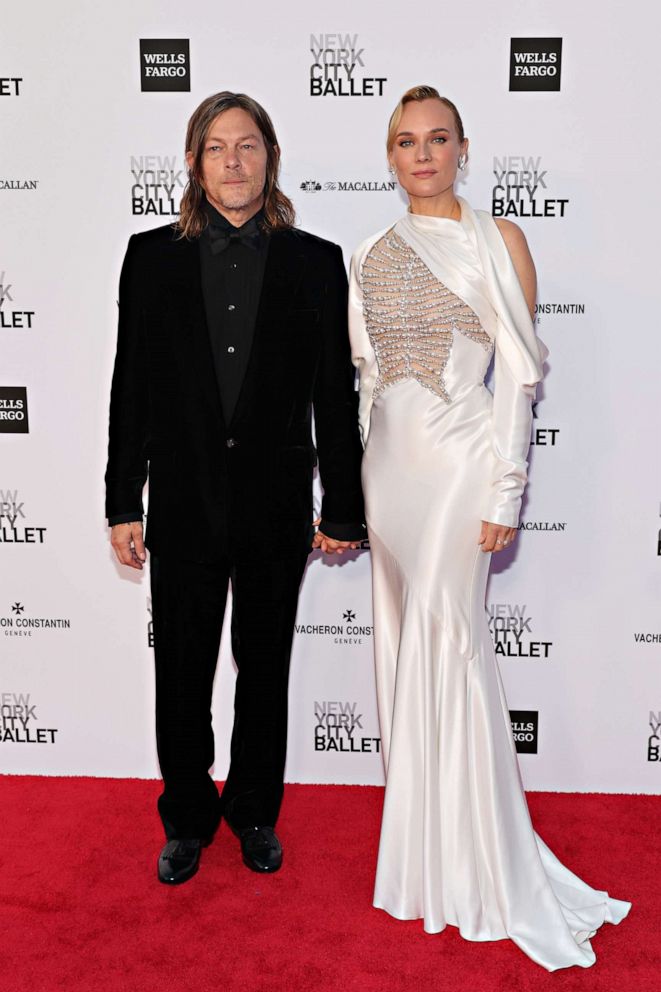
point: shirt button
(231, 442)
(233, 265)
(231, 307)
(230, 350)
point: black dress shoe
(260, 847)
(179, 860)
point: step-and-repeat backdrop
(560, 102)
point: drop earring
(462, 163)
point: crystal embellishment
(411, 317)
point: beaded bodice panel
(411, 317)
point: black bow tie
(221, 238)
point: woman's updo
(415, 95)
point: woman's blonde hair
(416, 95)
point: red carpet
(81, 909)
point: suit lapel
(186, 291)
(285, 264)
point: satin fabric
(457, 845)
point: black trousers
(188, 602)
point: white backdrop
(583, 650)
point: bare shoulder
(517, 246)
(512, 234)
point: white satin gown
(430, 300)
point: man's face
(234, 165)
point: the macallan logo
(555, 525)
(18, 183)
(348, 186)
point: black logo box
(164, 65)
(525, 740)
(535, 63)
(14, 410)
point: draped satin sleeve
(511, 425)
(518, 366)
(362, 353)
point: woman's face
(427, 149)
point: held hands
(128, 544)
(328, 545)
(495, 537)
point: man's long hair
(279, 211)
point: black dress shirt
(231, 286)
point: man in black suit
(232, 330)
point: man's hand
(129, 546)
(330, 546)
(495, 537)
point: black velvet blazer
(242, 488)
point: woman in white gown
(431, 299)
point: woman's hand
(495, 537)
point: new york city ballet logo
(654, 739)
(338, 67)
(522, 189)
(348, 186)
(14, 528)
(20, 623)
(543, 437)
(14, 410)
(150, 624)
(338, 727)
(10, 85)
(157, 183)
(525, 730)
(512, 630)
(535, 63)
(10, 315)
(164, 64)
(19, 722)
